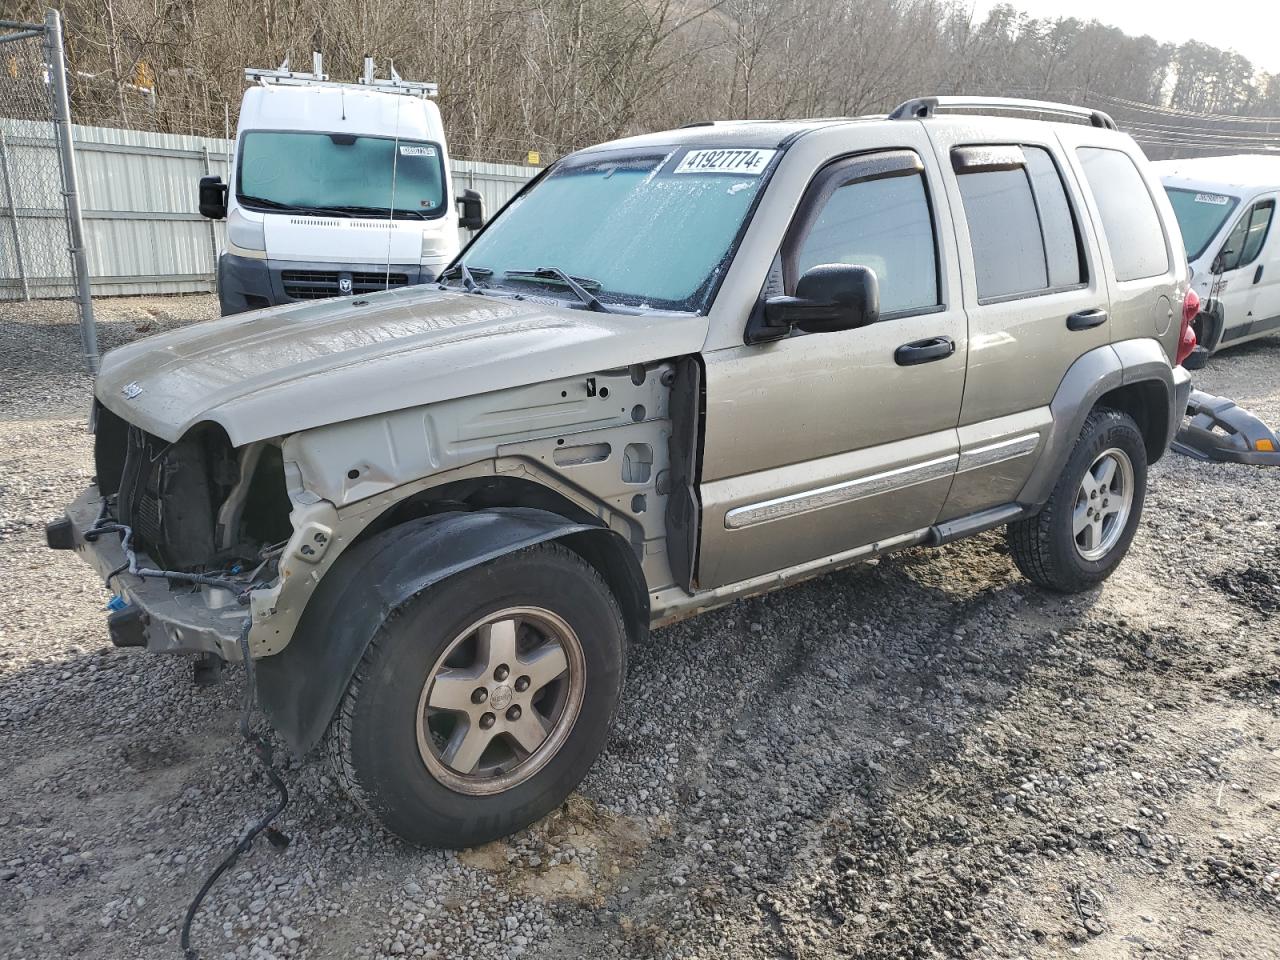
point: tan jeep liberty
(676, 370)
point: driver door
(817, 444)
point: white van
(1225, 207)
(335, 189)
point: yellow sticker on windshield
(748, 162)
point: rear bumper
(181, 620)
(1181, 397)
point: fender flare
(1093, 375)
(299, 689)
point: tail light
(1187, 338)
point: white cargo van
(336, 189)
(1225, 207)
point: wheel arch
(1149, 404)
(1134, 376)
(604, 548)
(300, 688)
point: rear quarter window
(1129, 218)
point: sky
(1250, 27)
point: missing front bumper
(168, 620)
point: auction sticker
(408, 151)
(748, 162)
(1215, 198)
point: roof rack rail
(282, 76)
(921, 108)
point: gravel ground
(921, 757)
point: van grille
(318, 284)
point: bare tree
(555, 75)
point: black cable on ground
(262, 750)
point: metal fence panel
(144, 234)
(35, 259)
(42, 253)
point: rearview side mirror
(213, 198)
(829, 297)
(471, 213)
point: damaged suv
(676, 370)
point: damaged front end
(189, 534)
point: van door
(1036, 304)
(1249, 285)
(817, 444)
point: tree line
(555, 75)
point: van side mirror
(213, 198)
(829, 297)
(471, 213)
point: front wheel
(482, 703)
(1084, 530)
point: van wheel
(481, 703)
(1084, 530)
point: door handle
(924, 351)
(1257, 274)
(1087, 319)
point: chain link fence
(42, 254)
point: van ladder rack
(284, 77)
(922, 108)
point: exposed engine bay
(197, 505)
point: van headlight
(245, 233)
(433, 244)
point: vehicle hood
(276, 371)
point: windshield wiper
(468, 275)
(377, 211)
(291, 207)
(554, 275)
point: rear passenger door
(1035, 300)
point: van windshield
(341, 173)
(1200, 216)
(653, 230)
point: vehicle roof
(339, 110)
(1241, 171)
(763, 134)
(767, 134)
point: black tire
(373, 742)
(1044, 546)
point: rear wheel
(482, 703)
(1085, 528)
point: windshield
(340, 172)
(1200, 216)
(651, 230)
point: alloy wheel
(501, 700)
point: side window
(1057, 223)
(1245, 241)
(1129, 217)
(1021, 227)
(884, 224)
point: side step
(962, 527)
